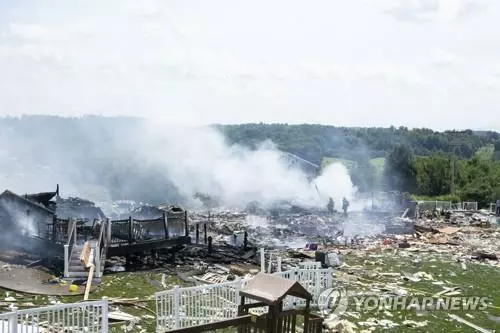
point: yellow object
(73, 288)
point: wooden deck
(129, 236)
(148, 245)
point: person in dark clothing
(345, 205)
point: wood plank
(89, 282)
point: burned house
(78, 209)
(175, 216)
(34, 214)
(26, 215)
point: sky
(415, 63)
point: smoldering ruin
(236, 214)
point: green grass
(363, 274)
(330, 160)
(476, 280)
(378, 164)
(121, 285)
(448, 197)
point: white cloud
(238, 61)
(35, 32)
(443, 58)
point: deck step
(77, 269)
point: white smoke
(335, 182)
(194, 159)
(26, 223)
(198, 159)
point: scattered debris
(122, 316)
(468, 323)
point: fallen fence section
(192, 306)
(88, 317)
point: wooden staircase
(77, 269)
(77, 264)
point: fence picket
(91, 317)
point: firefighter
(345, 205)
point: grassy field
(330, 160)
(141, 285)
(364, 274)
(368, 275)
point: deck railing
(69, 246)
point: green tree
(399, 169)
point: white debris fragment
(343, 326)
(468, 323)
(415, 324)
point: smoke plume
(105, 159)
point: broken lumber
(89, 282)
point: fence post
(66, 260)
(97, 259)
(318, 273)
(105, 314)
(262, 261)
(108, 221)
(130, 229)
(74, 232)
(13, 321)
(238, 288)
(177, 306)
(186, 227)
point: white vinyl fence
(185, 307)
(470, 206)
(434, 205)
(271, 262)
(314, 280)
(85, 317)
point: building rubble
(371, 252)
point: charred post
(205, 232)
(210, 249)
(197, 233)
(186, 229)
(165, 224)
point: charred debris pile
(228, 236)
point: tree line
(454, 165)
(446, 177)
(314, 142)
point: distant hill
(315, 142)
